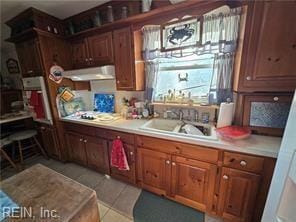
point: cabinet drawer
(183, 149)
(243, 162)
(86, 130)
(125, 137)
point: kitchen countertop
(15, 118)
(258, 145)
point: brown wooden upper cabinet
(269, 48)
(29, 57)
(92, 51)
(129, 68)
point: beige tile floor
(115, 199)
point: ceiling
(58, 8)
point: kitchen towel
(37, 103)
(118, 156)
(225, 115)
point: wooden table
(40, 188)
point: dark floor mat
(152, 208)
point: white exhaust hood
(96, 73)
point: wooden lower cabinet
(238, 191)
(154, 170)
(96, 150)
(188, 181)
(193, 182)
(49, 140)
(226, 184)
(76, 148)
(89, 151)
(125, 175)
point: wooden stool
(25, 135)
(4, 142)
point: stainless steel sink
(175, 127)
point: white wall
(108, 86)
(8, 51)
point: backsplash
(188, 111)
(107, 86)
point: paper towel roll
(225, 115)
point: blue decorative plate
(104, 102)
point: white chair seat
(5, 142)
(22, 135)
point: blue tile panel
(266, 114)
(104, 102)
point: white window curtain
(151, 70)
(222, 73)
(220, 32)
(151, 42)
(219, 37)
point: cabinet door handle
(275, 98)
(243, 163)
(90, 59)
(85, 141)
(248, 78)
(178, 150)
(86, 59)
(30, 71)
(118, 81)
(173, 163)
(167, 162)
(225, 177)
(131, 153)
(80, 140)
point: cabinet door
(49, 140)
(79, 52)
(193, 182)
(271, 50)
(125, 175)
(124, 59)
(76, 148)
(29, 58)
(154, 170)
(97, 153)
(100, 49)
(266, 114)
(238, 191)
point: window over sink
(185, 78)
(196, 73)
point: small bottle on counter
(205, 117)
